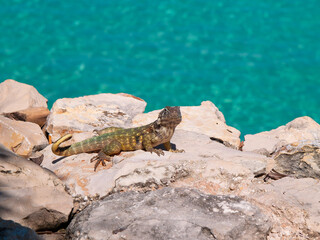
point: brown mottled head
(169, 116)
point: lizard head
(169, 116)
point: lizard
(112, 140)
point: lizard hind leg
(112, 147)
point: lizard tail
(61, 151)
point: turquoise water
(258, 61)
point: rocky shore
(216, 189)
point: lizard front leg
(147, 144)
(112, 147)
(167, 146)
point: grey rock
(292, 204)
(169, 213)
(9, 230)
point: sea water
(257, 61)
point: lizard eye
(166, 111)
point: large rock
(292, 204)
(23, 138)
(10, 230)
(205, 164)
(205, 119)
(300, 129)
(170, 214)
(302, 161)
(31, 195)
(19, 101)
(36, 115)
(85, 114)
(15, 96)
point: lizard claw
(100, 159)
(157, 151)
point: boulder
(292, 204)
(170, 214)
(205, 164)
(302, 161)
(35, 115)
(11, 230)
(205, 119)
(31, 195)
(23, 138)
(303, 129)
(89, 113)
(19, 101)
(15, 96)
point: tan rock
(35, 115)
(15, 96)
(21, 137)
(205, 119)
(85, 114)
(302, 161)
(299, 130)
(205, 164)
(31, 195)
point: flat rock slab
(89, 113)
(205, 119)
(205, 163)
(169, 213)
(31, 195)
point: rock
(35, 115)
(300, 129)
(23, 138)
(36, 158)
(169, 214)
(85, 114)
(11, 230)
(205, 164)
(19, 101)
(31, 194)
(299, 161)
(292, 204)
(205, 119)
(15, 96)
(53, 236)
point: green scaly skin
(113, 140)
